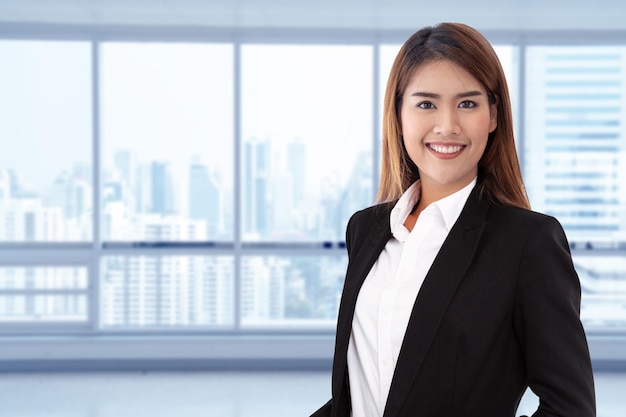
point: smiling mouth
(445, 149)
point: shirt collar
(450, 206)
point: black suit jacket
(497, 312)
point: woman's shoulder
(525, 218)
(373, 213)
(373, 219)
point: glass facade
(225, 173)
(575, 165)
(575, 147)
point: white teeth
(445, 149)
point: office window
(575, 146)
(45, 130)
(43, 294)
(270, 175)
(291, 291)
(166, 292)
(604, 291)
(167, 141)
(306, 127)
(576, 163)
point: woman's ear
(493, 117)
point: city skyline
(168, 126)
(285, 203)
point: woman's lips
(445, 151)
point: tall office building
(162, 189)
(575, 138)
(125, 162)
(263, 282)
(296, 164)
(358, 192)
(73, 195)
(256, 186)
(204, 197)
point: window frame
(314, 346)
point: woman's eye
(426, 105)
(467, 104)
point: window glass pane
(575, 163)
(43, 308)
(306, 126)
(45, 129)
(387, 54)
(23, 295)
(43, 278)
(575, 153)
(603, 281)
(171, 292)
(291, 291)
(167, 140)
(509, 59)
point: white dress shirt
(388, 293)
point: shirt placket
(386, 310)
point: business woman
(457, 297)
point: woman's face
(446, 119)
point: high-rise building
(263, 289)
(204, 197)
(357, 194)
(125, 162)
(162, 189)
(575, 140)
(256, 180)
(163, 291)
(73, 195)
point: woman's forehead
(443, 75)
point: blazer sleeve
(547, 322)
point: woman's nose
(447, 123)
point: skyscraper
(257, 178)
(126, 167)
(204, 197)
(162, 189)
(575, 138)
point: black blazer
(498, 311)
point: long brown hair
(499, 175)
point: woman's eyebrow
(460, 95)
(469, 94)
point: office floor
(191, 394)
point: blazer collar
(434, 297)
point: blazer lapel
(361, 262)
(432, 301)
